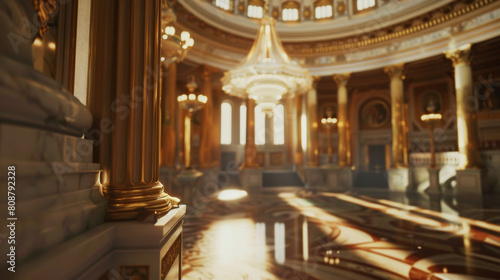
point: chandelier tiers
(192, 101)
(174, 47)
(329, 123)
(266, 74)
(431, 119)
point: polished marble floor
(291, 233)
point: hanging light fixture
(266, 74)
(174, 47)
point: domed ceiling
(344, 39)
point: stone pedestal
(251, 178)
(118, 250)
(345, 178)
(188, 179)
(434, 187)
(315, 177)
(471, 182)
(398, 179)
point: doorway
(376, 158)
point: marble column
(125, 95)
(168, 107)
(467, 128)
(250, 147)
(471, 179)
(343, 119)
(289, 129)
(207, 120)
(398, 119)
(299, 152)
(312, 152)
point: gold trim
(169, 258)
(346, 43)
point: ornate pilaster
(398, 119)
(207, 120)
(344, 153)
(168, 113)
(312, 126)
(126, 99)
(250, 147)
(467, 129)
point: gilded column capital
(460, 55)
(341, 79)
(395, 71)
(315, 81)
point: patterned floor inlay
(304, 235)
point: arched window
(362, 5)
(255, 8)
(224, 4)
(243, 124)
(323, 9)
(290, 11)
(225, 125)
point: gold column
(168, 106)
(215, 132)
(250, 147)
(124, 97)
(344, 154)
(312, 125)
(289, 144)
(187, 139)
(398, 120)
(467, 129)
(207, 120)
(299, 152)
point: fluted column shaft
(124, 89)
(250, 147)
(312, 126)
(168, 107)
(343, 119)
(467, 129)
(207, 112)
(398, 120)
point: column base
(398, 179)
(434, 187)
(471, 182)
(315, 177)
(117, 250)
(251, 178)
(188, 179)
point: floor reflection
(297, 234)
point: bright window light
(279, 125)
(260, 126)
(323, 12)
(243, 124)
(223, 4)
(290, 14)
(232, 194)
(254, 11)
(364, 4)
(225, 126)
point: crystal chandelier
(267, 73)
(192, 102)
(174, 47)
